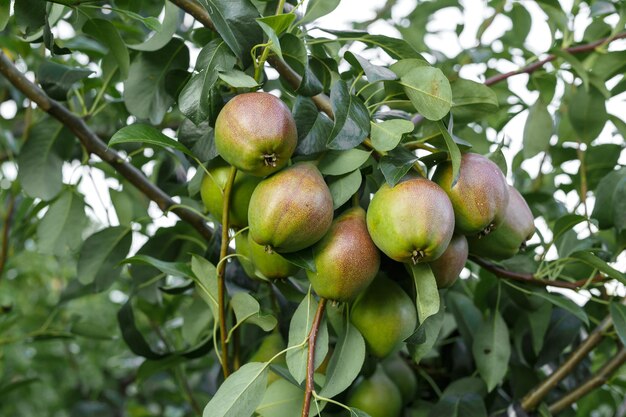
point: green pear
(256, 133)
(212, 193)
(385, 316)
(269, 264)
(403, 376)
(377, 395)
(291, 210)
(412, 221)
(504, 242)
(480, 195)
(449, 265)
(270, 347)
(346, 259)
(242, 247)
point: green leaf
(240, 394)
(145, 94)
(429, 91)
(164, 32)
(235, 21)
(60, 230)
(343, 187)
(299, 328)
(195, 99)
(131, 334)
(302, 258)
(352, 122)
(603, 209)
(467, 316)
(247, 309)
(101, 255)
(492, 350)
(396, 164)
(318, 8)
(538, 130)
(587, 113)
(565, 223)
(281, 399)
(313, 127)
(374, 73)
(146, 134)
(205, 277)
(396, 48)
(346, 362)
(17, 383)
(592, 260)
(426, 293)
(39, 166)
(4, 13)
(30, 15)
(177, 269)
(105, 32)
(538, 322)
(388, 134)
(472, 100)
(618, 314)
(453, 151)
(57, 79)
(342, 162)
(425, 337)
(238, 79)
(559, 301)
(273, 26)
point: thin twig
(310, 364)
(94, 145)
(221, 269)
(590, 384)
(5, 233)
(531, 279)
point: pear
(290, 210)
(449, 265)
(346, 259)
(377, 395)
(403, 376)
(242, 247)
(480, 195)
(269, 264)
(212, 193)
(269, 347)
(256, 133)
(412, 221)
(504, 242)
(385, 316)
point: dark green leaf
(281, 399)
(60, 229)
(164, 33)
(145, 95)
(346, 362)
(426, 293)
(131, 334)
(105, 32)
(429, 91)
(396, 48)
(177, 269)
(566, 223)
(467, 316)
(342, 162)
(205, 277)
(30, 15)
(57, 79)
(373, 72)
(618, 314)
(200, 139)
(425, 337)
(247, 309)
(343, 187)
(453, 151)
(472, 100)
(538, 130)
(352, 122)
(587, 113)
(592, 260)
(4, 13)
(318, 8)
(313, 127)
(492, 350)
(17, 384)
(235, 21)
(101, 255)
(148, 135)
(396, 164)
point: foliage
(110, 307)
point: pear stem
(221, 287)
(310, 364)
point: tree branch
(590, 384)
(94, 145)
(5, 233)
(310, 364)
(530, 278)
(534, 397)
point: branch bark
(310, 364)
(531, 279)
(6, 232)
(94, 145)
(590, 384)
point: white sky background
(444, 22)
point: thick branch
(537, 394)
(310, 364)
(590, 384)
(94, 145)
(531, 279)
(6, 232)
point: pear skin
(377, 395)
(449, 265)
(346, 258)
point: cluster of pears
(288, 208)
